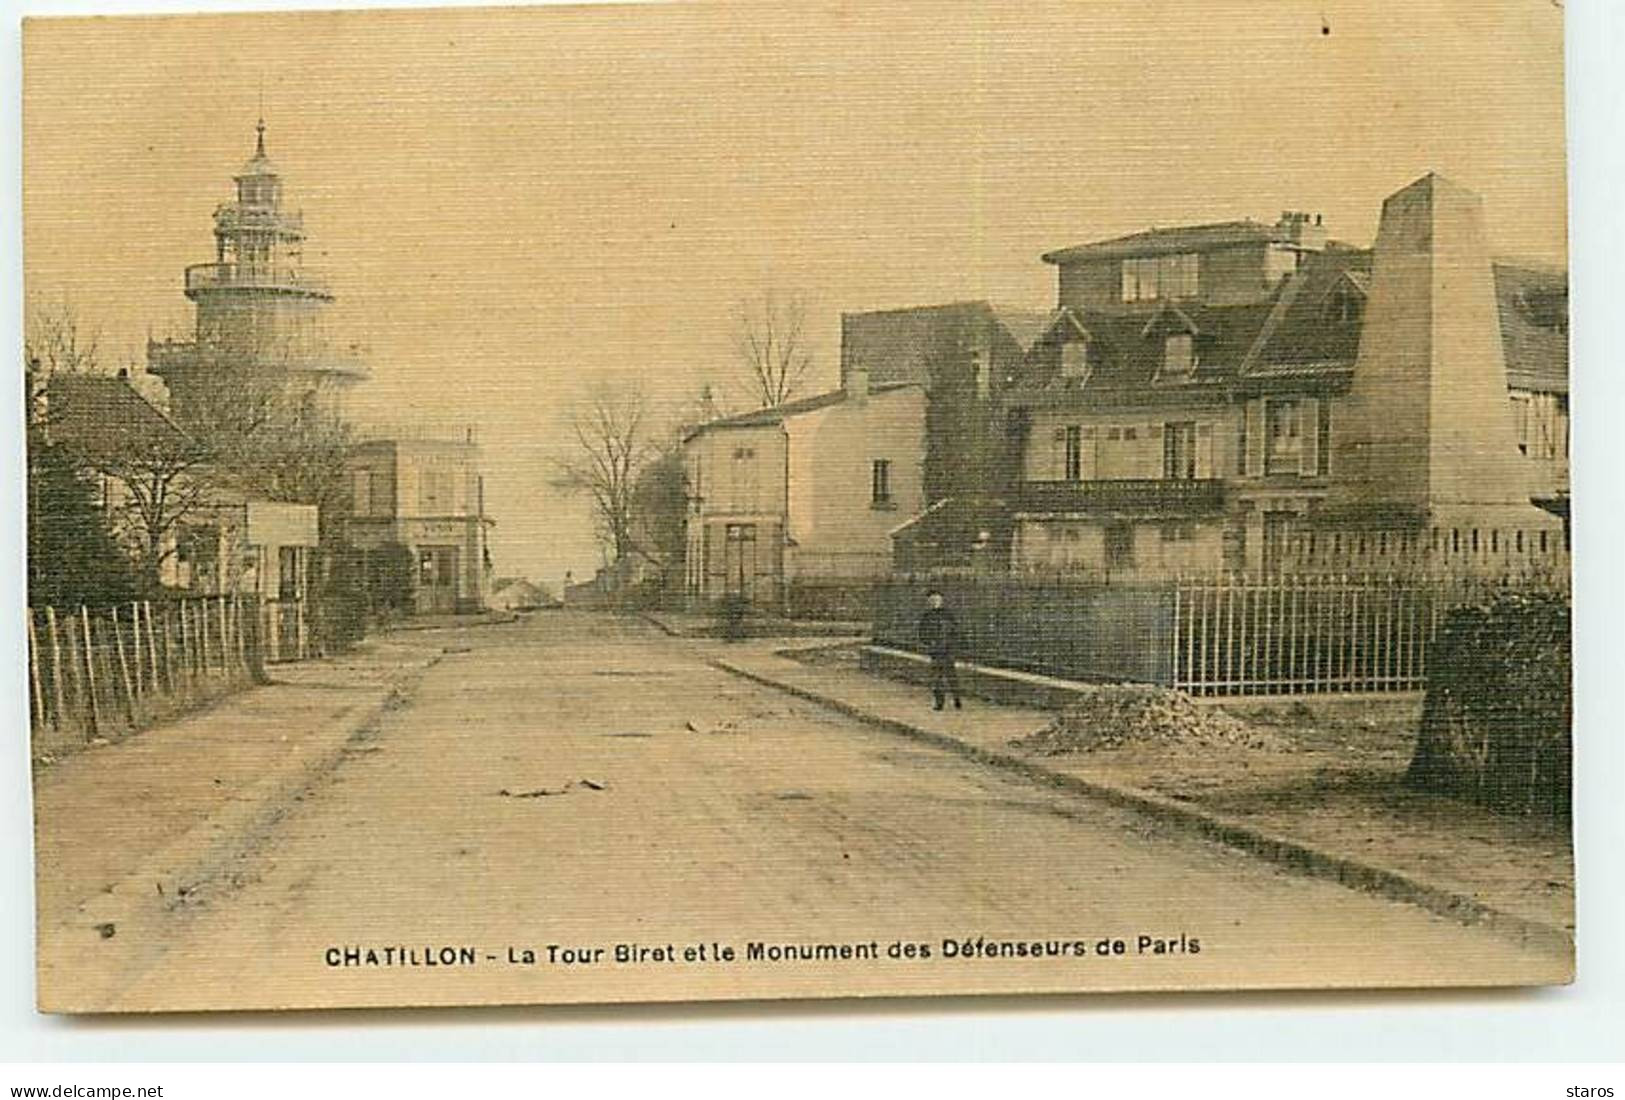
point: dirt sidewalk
(132, 834)
(1332, 804)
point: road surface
(572, 786)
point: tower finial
(259, 127)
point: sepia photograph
(741, 501)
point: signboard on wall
(275, 524)
(448, 530)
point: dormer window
(1178, 355)
(1075, 359)
(1345, 302)
(1344, 307)
(1547, 307)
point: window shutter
(1204, 450)
(1323, 433)
(1057, 458)
(1086, 459)
(1309, 433)
(1253, 460)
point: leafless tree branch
(770, 342)
(613, 445)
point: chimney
(857, 383)
(1302, 231)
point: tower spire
(259, 127)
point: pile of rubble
(1124, 715)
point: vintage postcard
(702, 501)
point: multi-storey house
(425, 494)
(964, 355)
(803, 496)
(798, 505)
(1243, 396)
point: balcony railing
(231, 216)
(1158, 496)
(233, 276)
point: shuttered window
(1283, 436)
(1309, 429)
(1179, 451)
(1252, 439)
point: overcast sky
(511, 203)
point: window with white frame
(1283, 436)
(1074, 359)
(1178, 355)
(361, 492)
(1150, 278)
(1179, 450)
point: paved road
(584, 782)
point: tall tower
(258, 308)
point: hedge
(1497, 719)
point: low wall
(844, 599)
(998, 685)
(1084, 632)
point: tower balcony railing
(232, 216)
(1153, 496)
(234, 276)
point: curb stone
(1294, 855)
(817, 633)
(661, 624)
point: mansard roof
(1305, 335)
(1534, 307)
(1125, 357)
(1297, 335)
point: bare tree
(56, 342)
(163, 481)
(614, 442)
(266, 433)
(770, 340)
(237, 409)
(158, 470)
(248, 428)
(304, 458)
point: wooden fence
(94, 671)
(284, 630)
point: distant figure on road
(939, 637)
